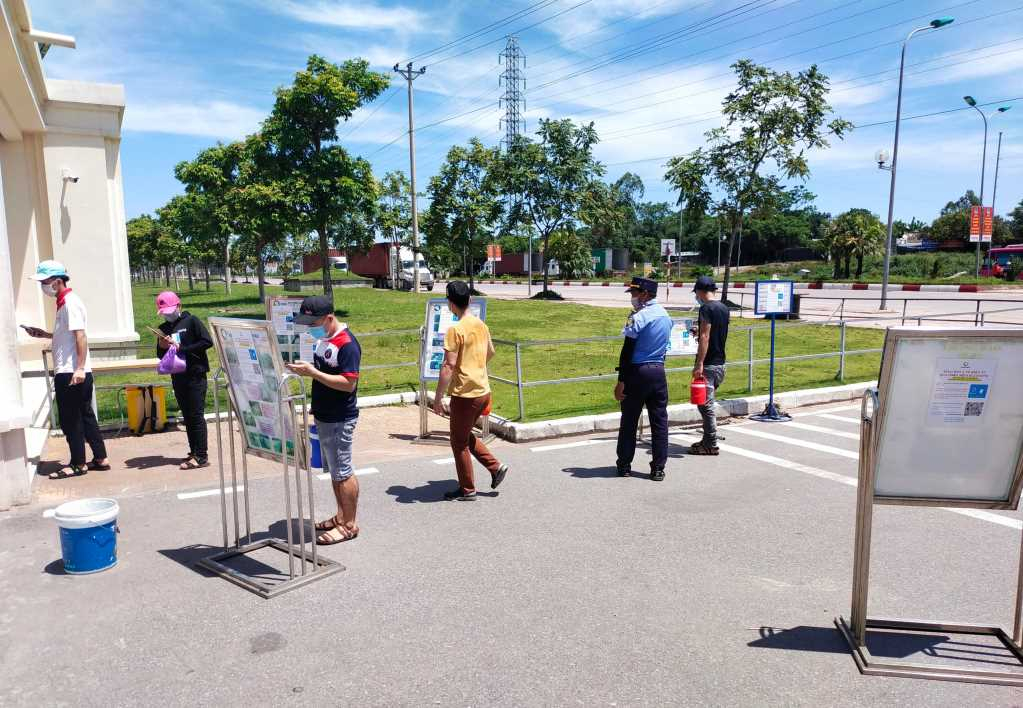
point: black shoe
(499, 476)
(624, 470)
(657, 475)
(460, 495)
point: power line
(380, 104)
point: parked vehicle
(390, 267)
(1000, 259)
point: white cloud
(214, 119)
(363, 16)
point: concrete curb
(679, 414)
(750, 285)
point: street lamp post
(972, 103)
(934, 24)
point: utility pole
(994, 191)
(411, 75)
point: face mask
(48, 289)
(172, 317)
(318, 332)
(637, 304)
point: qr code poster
(959, 390)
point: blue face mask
(318, 332)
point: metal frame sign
(773, 297)
(668, 248)
(439, 319)
(294, 341)
(251, 360)
(683, 341)
(950, 418)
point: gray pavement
(571, 586)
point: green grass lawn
(369, 311)
(317, 276)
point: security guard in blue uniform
(641, 379)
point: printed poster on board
(960, 391)
(438, 319)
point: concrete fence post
(518, 381)
(841, 351)
(749, 366)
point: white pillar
(14, 471)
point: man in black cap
(641, 379)
(335, 374)
(712, 333)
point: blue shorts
(336, 447)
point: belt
(650, 363)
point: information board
(438, 319)
(683, 340)
(950, 417)
(294, 341)
(251, 359)
(773, 297)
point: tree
(466, 199)
(858, 233)
(610, 210)
(394, 209)
(551, 177)
(143, 237)
(1016, 222)
(571, 252)
(771, 120)
(962, 204)
(333, 192)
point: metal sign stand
(855, 629)
(312, 567)
(771, 413)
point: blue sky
(649, 73)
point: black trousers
(190, 390)
(645, 387)
(77, 419)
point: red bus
(998, 260)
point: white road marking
(842, 418)
(565, 446)
(208, 493)
(852, 482)
(48, 513)
(747, 430)
(822, 429)
(833, 409)
(358, 473)
(445, 461)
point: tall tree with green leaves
(394, 208)
(466, 199)
(551, 176)
(771, 120)
(858, 233)
(611, 210)
(335, 193)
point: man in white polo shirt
(72, 371)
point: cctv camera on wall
(68, 176)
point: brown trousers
(464, 413)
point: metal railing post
(976, 315)
(841, 351)
(518, 381)
(841, 311)
(749, 366)
(982, 319)
(905, 301)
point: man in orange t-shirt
(467, 349)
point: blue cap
(644, 284)
(49, 269)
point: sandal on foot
(338, 534)
(701, 448)
(193, 464)
(69, 471)
(97, 467)
(327, 524)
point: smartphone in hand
(32, 331)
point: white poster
(960, 390)
(438, 319)
(683, 341)
(293, 340)
(773, 297)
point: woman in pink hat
(186, 332)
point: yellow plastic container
(143, 416)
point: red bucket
(698, 391)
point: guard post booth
(944, 428)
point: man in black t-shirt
(335, 374)
(710, 359)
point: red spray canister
(698, 391)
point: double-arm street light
(972, 102)
(934, 24)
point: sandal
(338, 534)
(701, 448)
(69, 471)
(97, 467)
(193, 464)
(327, 524)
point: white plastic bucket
(88, 534)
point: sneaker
(460, 495)
(499, 476)
(657, 475)
(702, 448)
(623, 470)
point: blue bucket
(315, 457)
(88, 535)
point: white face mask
(637, 304)
(49, 289)
(172, 317)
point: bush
(1013, 269)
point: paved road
(716, 587)
(860, 306)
